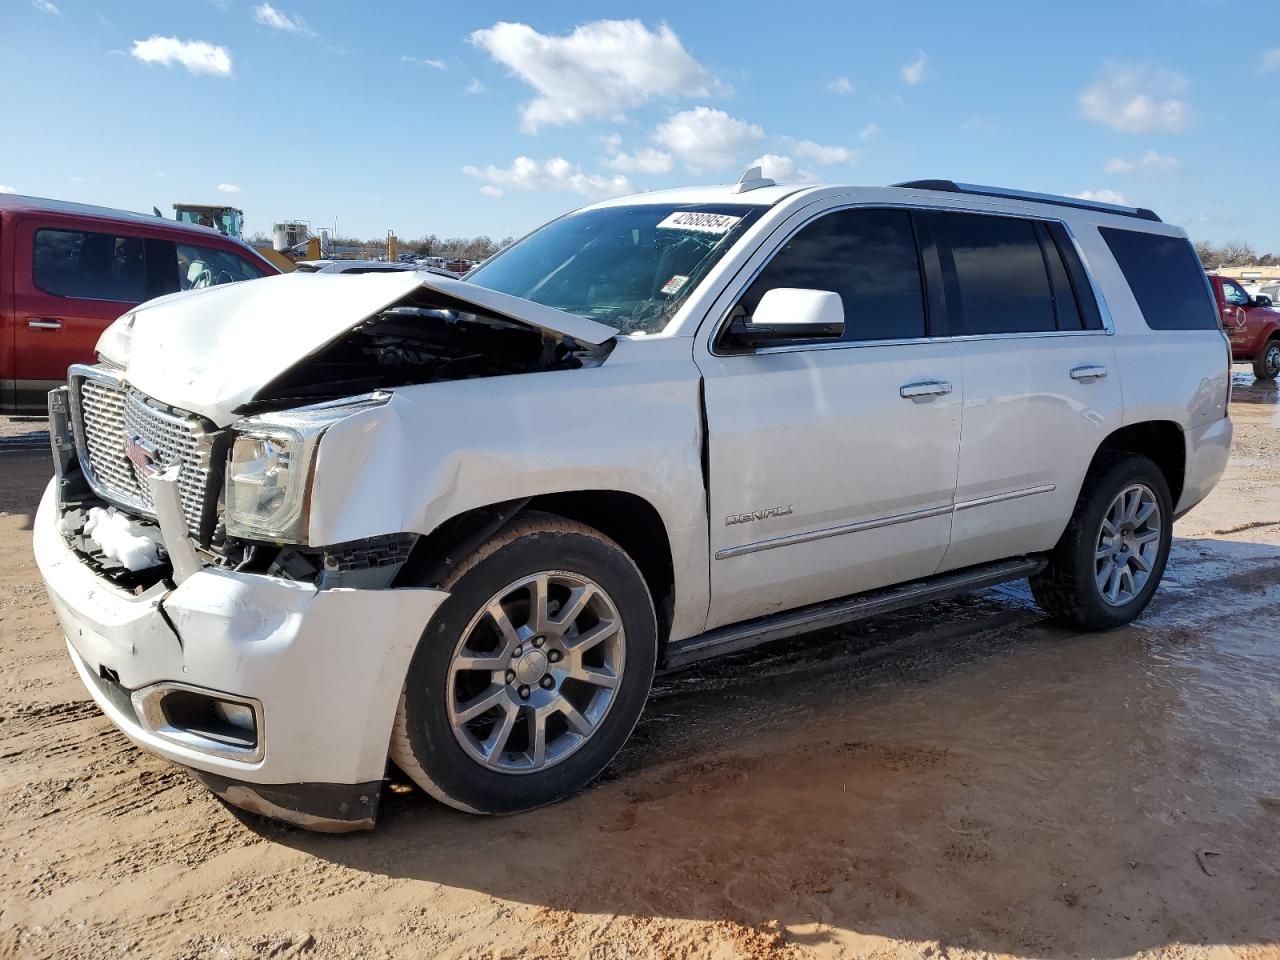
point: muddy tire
(532, 674)
(1266, 365)
(1109, 561)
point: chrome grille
(107, 415)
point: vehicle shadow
(968, 775)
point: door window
(90, 266)
(868, 257)
(1234, 295)
(208, 266)
(995, 275)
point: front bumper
(324, 669)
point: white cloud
(556, 174)
(707, 139)
(196, 55)
(425, 62)
(840, 85)
(600, 70)
(822, 154)
(917, 71)
(1149, 162)
(44, 6)
(489, 190)
(228, 188)
(979, 124)
(1271, 60)
(781, 168)
(475, 86)
(75, 179)
(5, 188)
(1137, 99)
(269, 16)
(869, 131)
(644, 160)
(1102, 196)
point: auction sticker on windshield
(717, 223)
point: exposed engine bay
(424, 338)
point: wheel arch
(1161, 441)
(628, 519)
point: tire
(1266, 365)
(1069, 588)
(486, 763)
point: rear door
(1041, 386)
(831, 466)
(71, 279)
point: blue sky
(459, 119)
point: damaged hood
(209, 351)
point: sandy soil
(964, 780)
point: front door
(832, 466)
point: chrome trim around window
(875, 524)
(716, 328)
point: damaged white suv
(303, 525)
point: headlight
(268, 479)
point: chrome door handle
(44, 324)
(924, 388)
(1088, 373)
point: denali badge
(141, 456)
(757, 515)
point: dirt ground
(964, 780)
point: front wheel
(533, 672)
(1110, 559)
(1266, 366)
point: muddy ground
(968, 779)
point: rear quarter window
(1166, 278)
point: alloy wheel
(1128, 544)
(536, 672)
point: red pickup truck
(1252, 325)
(67, 270)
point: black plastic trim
(971, 189)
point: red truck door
(71, 278)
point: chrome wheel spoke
(595, 676)
(492, 662)
(538, 596)
(537, 738)
(482, 703)
(506, 629)
(577, 722)
(1147, 536)
(579, 597)
(1141, 562)
(585, 641)
(497, 740)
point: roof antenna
(752, 179)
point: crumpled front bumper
(324, 668)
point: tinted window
(995, 274)
(90, 265)
(209, 266)
(868, 257)
(1166, 278)
(1085, 302)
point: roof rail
(950, 186)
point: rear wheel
(1266, 365)
(532, 674)
(1110, 559)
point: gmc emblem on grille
(141, 456)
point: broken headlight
(268, 479)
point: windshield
(629, 266)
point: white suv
(304, 524)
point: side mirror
(1261, 300)
(786, 313)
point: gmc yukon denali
(304, 526)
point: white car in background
(458, 525)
